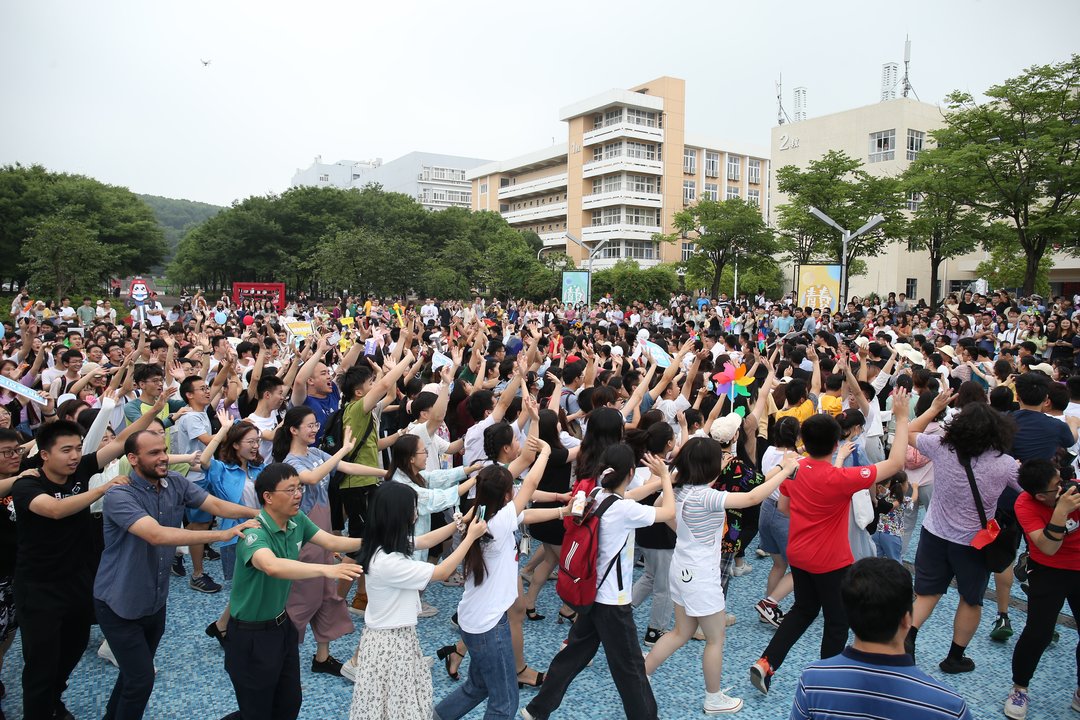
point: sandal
(532, 614)
(537, 683)
(571, 618)
(446, 654)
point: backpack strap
(617, 560)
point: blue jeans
(492, 677)
(888, 545)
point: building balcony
(621, 231)
(619, 130)
(539, 186)
(554, 239)
(622, 163)
(622, 197)
(539, 212)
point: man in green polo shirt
(262, 655)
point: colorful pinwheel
(733, 382)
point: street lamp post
(846, 237)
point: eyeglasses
(251, 443)
(13, 452)
(311, 426)
(294, 491)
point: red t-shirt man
(820, 496)
(1034, 515)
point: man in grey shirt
(191, 434)
(142, 529)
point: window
(504, 182)
(613, 117)
(648, 217)
(688, 250)
(689, 191)
(641, 183)
(711, 191)
(598, 121)
(913, 200)
(911, 287)
(958, 286)
(882, 145)
(642, 151)
(753, 171)
(732, 192)
(443, 173)
(483, 188)
(324, 178)
(753, 196)
(612, 250)
(606, 184)
(915, 140)
(733, 167)
(640, 117)
(639, 249)
(607, 216)
(504, 207)
(712, 164)
(689, 161)
(606, 152)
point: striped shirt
(856, 685)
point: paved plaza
(192, 683)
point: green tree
(722, 230)
(1017, 155)
(627, 281)
(1006, 267)
(837, 185)
(940, 225)
(65, 258)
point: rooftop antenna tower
(781, 114)
(889, 72)
(907, 88)
(800, 104)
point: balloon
(220, 317)
(248, 319)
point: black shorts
(938, 561)
(356, 502)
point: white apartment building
(436, 181)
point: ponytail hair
(496, 437)
(294, 418)
(619, 462)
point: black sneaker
(211, 554)
(1002, 629)
(652, 635)
(204, 584)
(178, 566)
(954, 666)
(330, 666)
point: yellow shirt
(831, 405)
(800, 413)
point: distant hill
(176, 217)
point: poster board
(274, 292)
(819, 287)
(575, 287)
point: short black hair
(50, 433)
(1035, 475)
(877, 593)
(267, 383)
(820, 434)
(147, 371)
(1032, 388)
(270, 477)
(187, 385)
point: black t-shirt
(968, 308)
(54, 556)
(8, 537)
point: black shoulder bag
(1001, 552)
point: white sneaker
(526, 714)
(761, 553)
(348, 670)
(105, 653)
(740, 570)
(355, 611)
(718, 703)
(427, 610)
(1016, 705)
(455, 580)
(699, 634)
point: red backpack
(577, 581)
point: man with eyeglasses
(262, 654)
(150, 379)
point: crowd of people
(339, 457)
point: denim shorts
(773, 529)
(228, 559)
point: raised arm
(57, 508)
(815, 379)
(211, 447)
(532, 479)
(384, 384)
(895, 462)
(116, 448)
(299, 389)
(918, 426)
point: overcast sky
(116, 90)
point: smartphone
(481, 512)
(334, 338)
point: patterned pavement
(192, 683)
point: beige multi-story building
(627, 166)
(886, 136)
